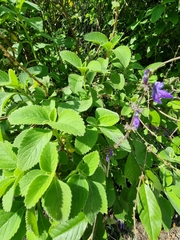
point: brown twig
(16, 63)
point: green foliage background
(72, 164)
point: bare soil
(173, 234)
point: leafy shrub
(82, 133)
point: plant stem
(16, 63)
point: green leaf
(116, 136)
(72, 229)
(43, 224)
(96, 202)
(169, 155)
(79, 106)
(31, 222)
(154, 66)
(49, 158)
(4, 184)
(31, 147)
(154, 179)
(173, 194)
(36, 189)
(85, 143)
(106, 117)
(71, 58)
(149, 212)
(57, 200)
(111, 196)
(13, 79)
(35, 22)
(8, 198)
(96, 37)
(27, 179)
(89, 163)
(75, 83)
(4, 98)
(166, 176)
(69, 122)
(157, 12)
(11, 221)
(4, 79)
(80, 189)
(155, 118)
(123, 53)
(126, 110)
(132, 173)
(167, 212)
(117, 80)
(19, 4)
(95, 66)
(174, 104)
(29, 115)
(7, 156)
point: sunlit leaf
(71, 229)
(57, 200)
(31, 147)
(149, 212)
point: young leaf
(8, 157)
(29, 115)
(69, 122)
(31, 147)
(89, 163)
(95, 66)
(31, 222)
(71, 229)
(11, 221)
(85, 143)
(149, 212)
(4, 184)
(123, 53)
(79, 188)
(36, 189)
(96, 37)
(49, 158)
(27, 179)
(106, 117)
(96, 202)
(71, 58)
(7, 199)
(57, 200)
(13, 79)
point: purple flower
(136, 121)
(111, 153)
(108, 155)
(146, 76)
(120, 224)
(157, 93)
(107, 158)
